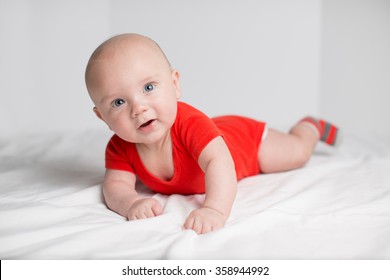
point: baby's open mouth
(147, 123)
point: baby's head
(133, 87)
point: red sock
(328, 132)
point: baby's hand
(144, 208)
(204, 220)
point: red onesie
(190, 133)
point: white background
(273, 60)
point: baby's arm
(220, 178)
(121, 197)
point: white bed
(51, 207)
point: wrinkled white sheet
(51, 207)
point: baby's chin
(151, 138)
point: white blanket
(51, 207)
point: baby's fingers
(197, 225)
(157, 209)
(207, 228)
(145, 208)
(204, 220)
(188, 224)
(141, 213)
(144, 213)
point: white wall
(258, 58)
(44, 46)
(274, 60)
(356, 65)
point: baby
(174, 148)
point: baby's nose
(138, 108)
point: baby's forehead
(133, 54)
(125, 46)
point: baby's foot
(327, 131)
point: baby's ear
(97, 113)
(176, 82)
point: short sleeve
(195, 129)
(118, 155)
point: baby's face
(135, 92)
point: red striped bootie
(327, 132)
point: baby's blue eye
(118, 102)
(149, 87)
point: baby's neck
(158, 158)
(164, 144)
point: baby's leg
(285, 151)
